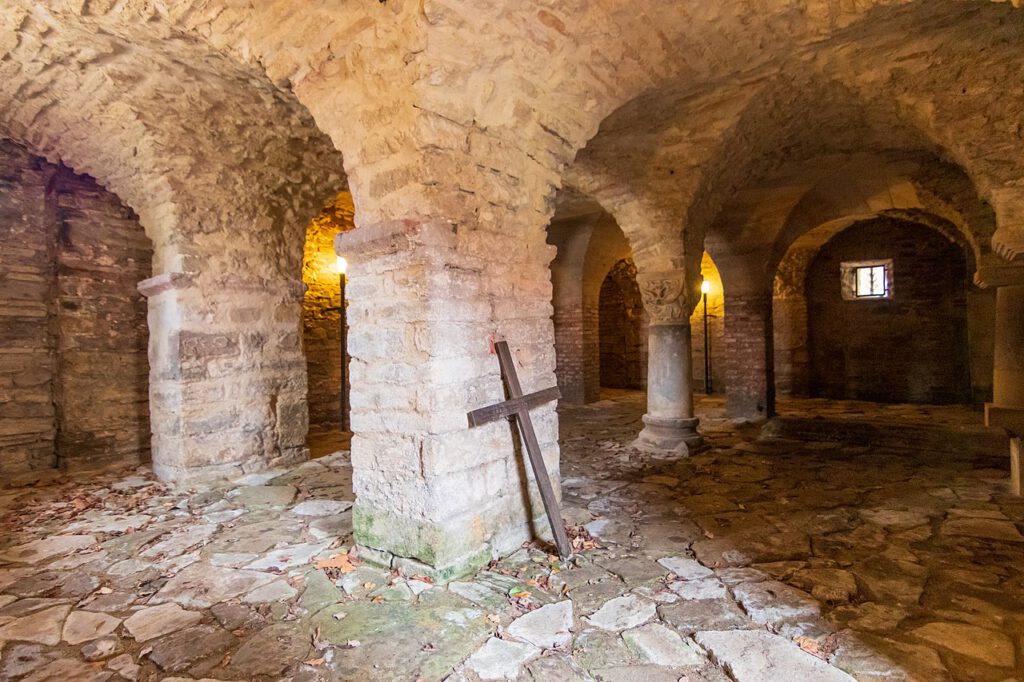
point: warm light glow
(342, 265)
(705, 287)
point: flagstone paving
(754, 560)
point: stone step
(965, 441)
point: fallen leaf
(315, 661)
(339, 562)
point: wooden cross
(518, 406)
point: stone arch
(224, 171)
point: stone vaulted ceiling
(658, 111)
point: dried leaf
(339, 562)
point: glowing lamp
(705, 287)
(342, 265)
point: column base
(669, 437)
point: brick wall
(73, 334)
(28, 236)
(912, 348)
(101, 389)
(716, 331)
(321, 321)
(748, 349)
(623, 330)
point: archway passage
(623, 329)
(905, 340)
(73, 332)
(325, 329)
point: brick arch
(589, 243)
(911, 348)
(622, 329)
(791, 335)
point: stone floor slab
(759, 656)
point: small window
(867, 280)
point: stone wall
(622, 330)
(910, 348)
(321, 320)
(73, 345)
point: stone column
(426, 298)
(669, 425)
(227, 375)
(750, 367)
(1007, 407)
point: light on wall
(705, 287)
(342, 265)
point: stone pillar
(426, 298)
(227, 375)
(1007, 407)
(669, 425)
(750, 367)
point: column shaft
(669, 425)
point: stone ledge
(1009, 418)
(975, 440)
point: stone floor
(754, 560)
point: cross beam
(518, 406)
(510, 407)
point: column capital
(664, 296)
(1008, 240)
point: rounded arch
(792, 359)
(924, 190)
(588, 243)
(204, 150)
(703, 145)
